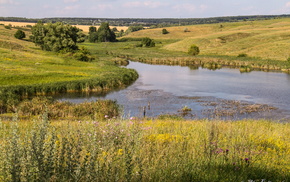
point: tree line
(148, 22)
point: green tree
(93, 37)
(19, 34)
(134, 29)
(105, 34)
(114, 29)
(56, 36)
(92, 29)
(147, 42)
(193, 50)
(121, 33)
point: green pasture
(25, 67)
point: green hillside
(266, 39)
(26, 69)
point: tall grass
(140, 150)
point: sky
(141, 8)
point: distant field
(267, 39)
(85, 28)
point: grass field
(266, 39)
(144, 150)
(25, 68)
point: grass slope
(267, 39)
(23, 64)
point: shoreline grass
(144, 150)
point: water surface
(170, 88)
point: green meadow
(27, 70)
(46, 140)
(144, 150)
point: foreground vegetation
(144, 150)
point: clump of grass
(98, 110)
(243, 55)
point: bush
(83, 55)
(19, 34)
(186, 30)
(242, 55)
(164, 31)
(147, 42)
(7, 27)
(128, 39)
(193, 50)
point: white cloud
(70, 1)
(185, 7)
(203, 7)
(288, 4)
(70, 8)
(8, 2)
(104, 7)
(136, 4)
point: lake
(224, 93)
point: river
(224, 93)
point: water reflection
(168, 89)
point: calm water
(169, 88)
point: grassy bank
(26, 70)
(142, 150)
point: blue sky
(141, 8)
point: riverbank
(27, 71)
(144, 150)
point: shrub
(288, 60)
(164, 31)
(7, 27)
(19, 34)
(186, 30)
(193, 50)
(147, 42)
(83, 55)
(242, 55)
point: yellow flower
(120, 152)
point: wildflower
(219, 151)
(132, 118)
(247, 160)
(120, 152)
(106, 116)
